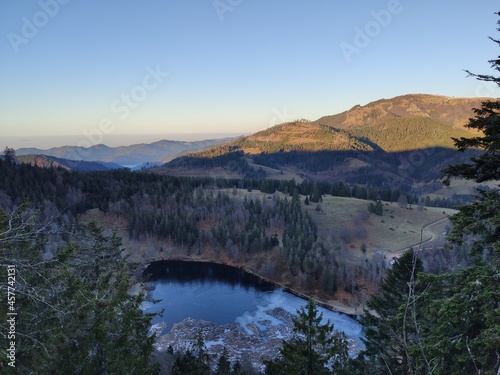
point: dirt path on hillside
(433, 235)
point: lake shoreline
(333, 306)
(231, 308)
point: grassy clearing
(461, 186)
(397, 229)
(277, 174)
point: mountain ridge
(390, 142)
(135, 154)
(446, 109)
(47, 161)
(417, 120)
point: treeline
(312, 139)
(172, 208)
(232, 161)
(314, 190)
(76, 192)
(396, 134)
(196, 216)
(239, 226)
(313, 161)
(395, 172)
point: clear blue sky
(67, 67)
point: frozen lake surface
(225, 295)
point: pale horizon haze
(93, 72)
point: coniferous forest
(71, 281)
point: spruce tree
(77, 316)
(461, 310)
(315, 349)
(184, 364)
(481, 219)
(223, 365)
(486, 166)
(201, 355)
(459, 316)
(195, 361)
(387, 327)
(109, 332)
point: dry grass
(277, 174)
(195, 172)
(397, 229)
(461, 186)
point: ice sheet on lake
(291, 303)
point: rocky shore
(252, 342)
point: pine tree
(447, 324)
(460, 311)
(482, 218)
(487, 121)
(315, 349)
(223, 365)
(376, 208)
(237, 369)
(386, 322)
(111, 330)
(459, 314)
(201, 355)
(77, 316)
(195, 361)
(184, 364)
(9, 154)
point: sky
(104, 71)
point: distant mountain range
(390, 141)
(395, 141)
(46, 161)
(133, 155)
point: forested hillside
(449, 110)
(198, 215)
(396, 143)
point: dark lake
(206, 291)
(223, 295)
